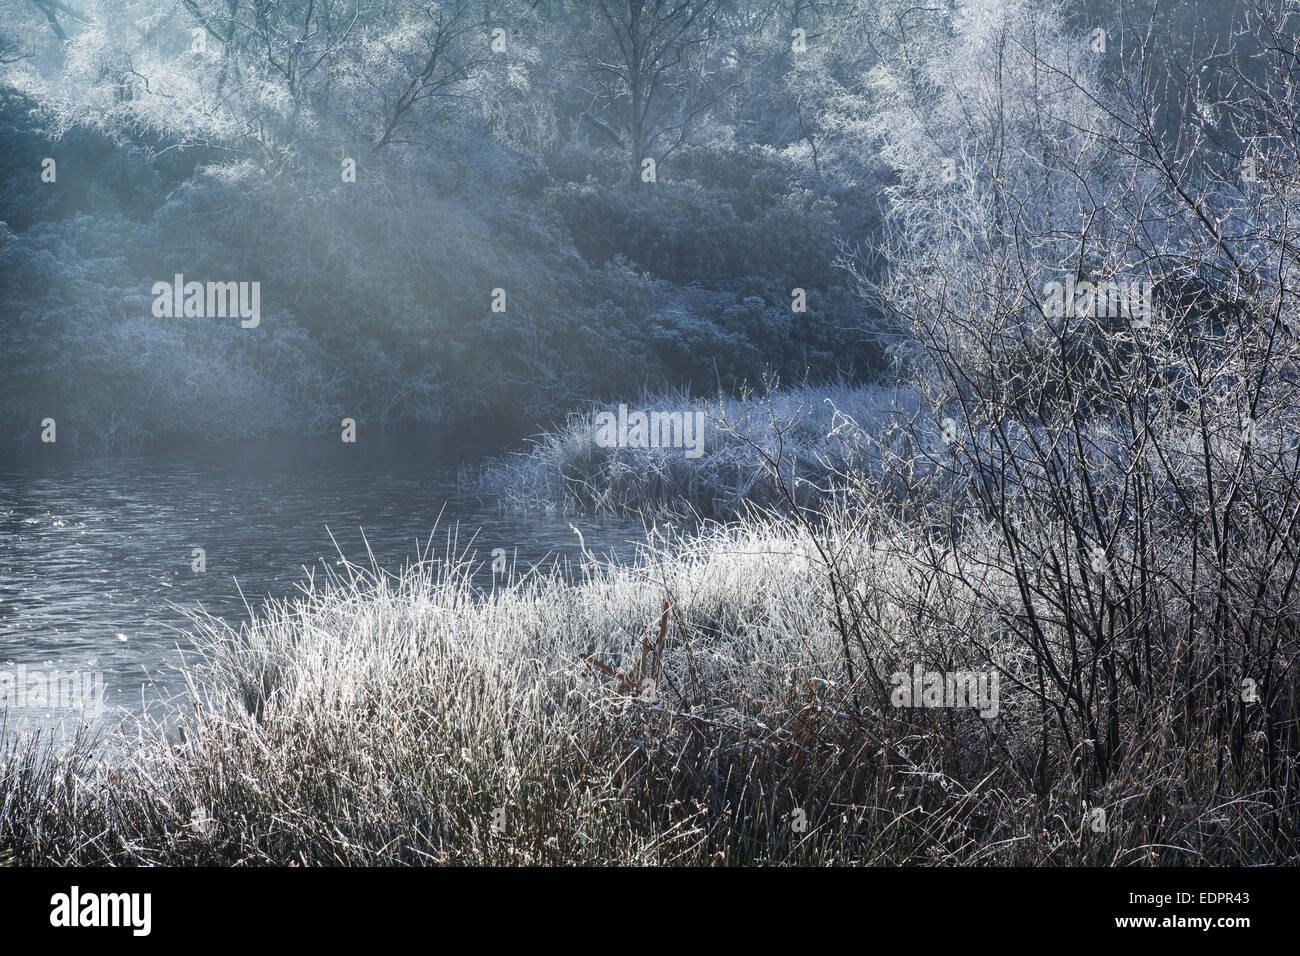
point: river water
(96, 553)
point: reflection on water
(95, 553)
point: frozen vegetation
(788, 447)
(727, 699)
(1021, 584)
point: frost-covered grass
(678, 710)
(728, 698)
(811, 435)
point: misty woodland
(948, 354)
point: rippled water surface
(95, 553)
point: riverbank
(790, 448)
(728, 698)
(100, 556)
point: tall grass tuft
(810, 435)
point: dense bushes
(734, 227)
(741, 217)
(81, 346)
(385, 288)
(477, 168)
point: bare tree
(51, 9)
(642, 68)
(452, 43)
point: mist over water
(95, 552)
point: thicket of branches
(1128, 483)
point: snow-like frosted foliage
(996, 124)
